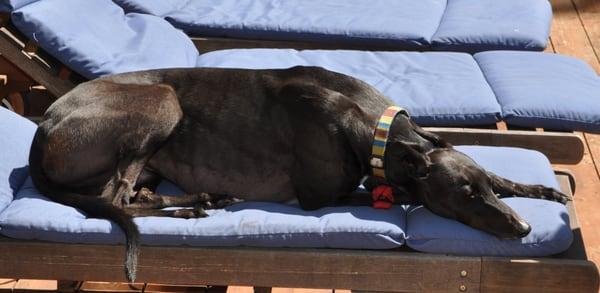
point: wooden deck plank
(111, 287)
(7, 285)
(587, 200)
(28, 285)
(570, 37)
(240, 289)
(568, 34)
(589, 13)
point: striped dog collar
(381, 137)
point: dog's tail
(92, 206)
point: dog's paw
(216, 201)
(227, 201)
(197, 212)
(144, 195)
(552, 194)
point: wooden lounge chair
(58, 79)
(399, 270)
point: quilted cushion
(32, 216)
(404, 23)
(482, 25)
(109, 42)
(16, 134)
(550, 233)
(543, 90)
(436, 88)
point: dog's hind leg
(507, 188)
(93, 144)
(146, 199)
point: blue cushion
(401, 23)
(550, 233)
(10, 5)
(109, 42)
(16, 134)
(436, 88)
(544, 90)
(154, 7)
(474, 26)
(32, 216)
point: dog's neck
(402, 128)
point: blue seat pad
(550, 233)
(436, 88)
(403, 23)
(16, 134)
(96, 38)
(457, 25)
(483, 25)
(544, 90)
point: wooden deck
(575, 32)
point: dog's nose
(523, 227)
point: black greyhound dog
(225, 135)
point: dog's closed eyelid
(466, 189)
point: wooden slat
(7, 285)
(559, 147)
(547, 275)
(29, 285)
(35, 70)
(295, 268)
(17, 102)
(64, 73)
(243, 289)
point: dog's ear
(405, 160)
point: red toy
(383, 197)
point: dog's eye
(467, 191)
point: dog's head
(452, 185)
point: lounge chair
(441, 25)
(267, 244)
(28, 216)
(439, 89)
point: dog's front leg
(506, 188)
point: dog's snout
(523, 228)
